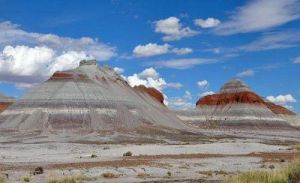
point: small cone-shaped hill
(236, 106)
(88, 98)
(5, 102)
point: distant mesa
(90, 98)
(236, 106)
(157, 95)
(5, 102)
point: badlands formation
(5, 102)
(237, 106)
(89, 125)
(89, 99)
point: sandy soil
(212, 157)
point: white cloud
(149, 73)
(282, 99)
(12, 34)
(259, 15)
(273, 40)
(297, 60)
(28, 57)
(208, 23)
(25, 65)
(118, 70)
(246, 73)
(181, 103)
(182, 51)
(149, 77)
(151, 49)
(182, 63)
(207, 93)
(173, 29)
(203, 84)
(174, 85)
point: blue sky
(183, 48)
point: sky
(185, 49)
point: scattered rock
(38, 170)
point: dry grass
(73, 179)
(290, 174)
(2, 179)
(26, 179)
(297, 147)
(109, 175)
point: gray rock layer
(93, 99)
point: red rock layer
(67, 76)
(4, 105)
(228, 98)
(278, 109)
(157, 95)
(241, 97)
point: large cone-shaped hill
(88, 98)
(5, 102)
(236, 106)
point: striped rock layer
(87, 98)
(157, 95)
(5, 102)
(236, 106)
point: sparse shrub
(26, 179)
(93, 156)
(290, 174)
(143, 175)
(271, 167)
(127, 153)
(38, 170)
(106, 148)
(169, 173)
(109, 175)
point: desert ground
(209, 156)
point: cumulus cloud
(297, 60)
(203, 84)
(149, 73)
(181, 103)
(25, 65)
(118, 70)
(29, 57)
(149, 77)
(207, 93)
(153, 49)
(282, 99)
(259, 15)
(208, 23)
(185, 63)
(173, 29)
(246, 73)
